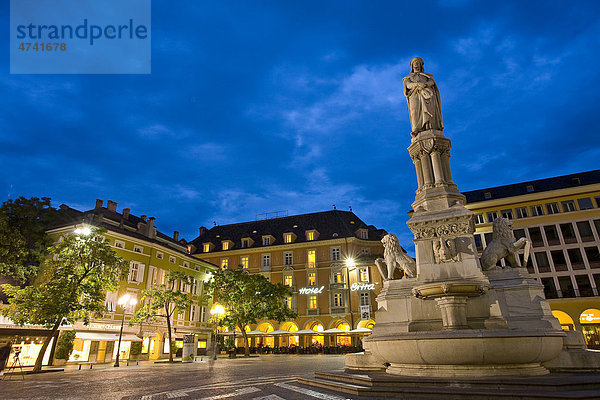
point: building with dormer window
(308, 253)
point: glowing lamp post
(83, 231)
(217, 312)
(350, 264)
(124, 301)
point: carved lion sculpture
(395, 257)
(503, 245)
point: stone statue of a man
(423, 99)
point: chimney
(99, 203)
(143, 217)
(176, 236)
(201, 231)
(126, 212)
(150, 230)
(111, 205)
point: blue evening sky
(258, 106)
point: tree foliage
(162, 302)
(64, 346)
(23, 238)
(248, 298)
(72, 284)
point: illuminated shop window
(363, 275)
(312, 302)
(337, 300)
(312, 258)
(288, 280)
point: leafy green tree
(72, 285)
(248, 298)
(163, 301)
(64, 346)
(23, 238)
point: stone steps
(554, 386)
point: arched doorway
(367, 323)
(565, 320)
(590, 324)
(342, 340)
(289, 340)
(265, 341)
(317, 327)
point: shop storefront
(26, 341)
(590, 324)
(101, 346)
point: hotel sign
(311, 290)
(362, 286)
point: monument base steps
(379, 384)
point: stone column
(427, 171)
(418, 167)
(446, 164)
(438, 167)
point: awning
(361, 330)
(281, 332)
(334, 331)
(107, 337)
(129, 337)
(307, 332)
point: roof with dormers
(536, 186)
(331, 224)
(130, 225)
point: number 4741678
(42, 46)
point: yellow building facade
(325, 258)
(151, 255)
(561, 218)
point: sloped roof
(539, 185)
(330, 225)
(99, 216)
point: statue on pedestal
(423, 97)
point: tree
(23, 238)
(248, 298)
(72, 285)
(163, 301)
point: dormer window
(487, 195)
(289, 237)
(312, 235)
(247, 242)
(207, 247)
(227, 244)
(362, 234)
(267, 240)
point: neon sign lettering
(362, 286)
(311, 290)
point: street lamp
(216, 311)
(83, 231)
(124, 301)
(350, 263)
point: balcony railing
(337, 285)
(265, 268)
(338, 310)
(314, 311)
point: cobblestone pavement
(268, 377)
